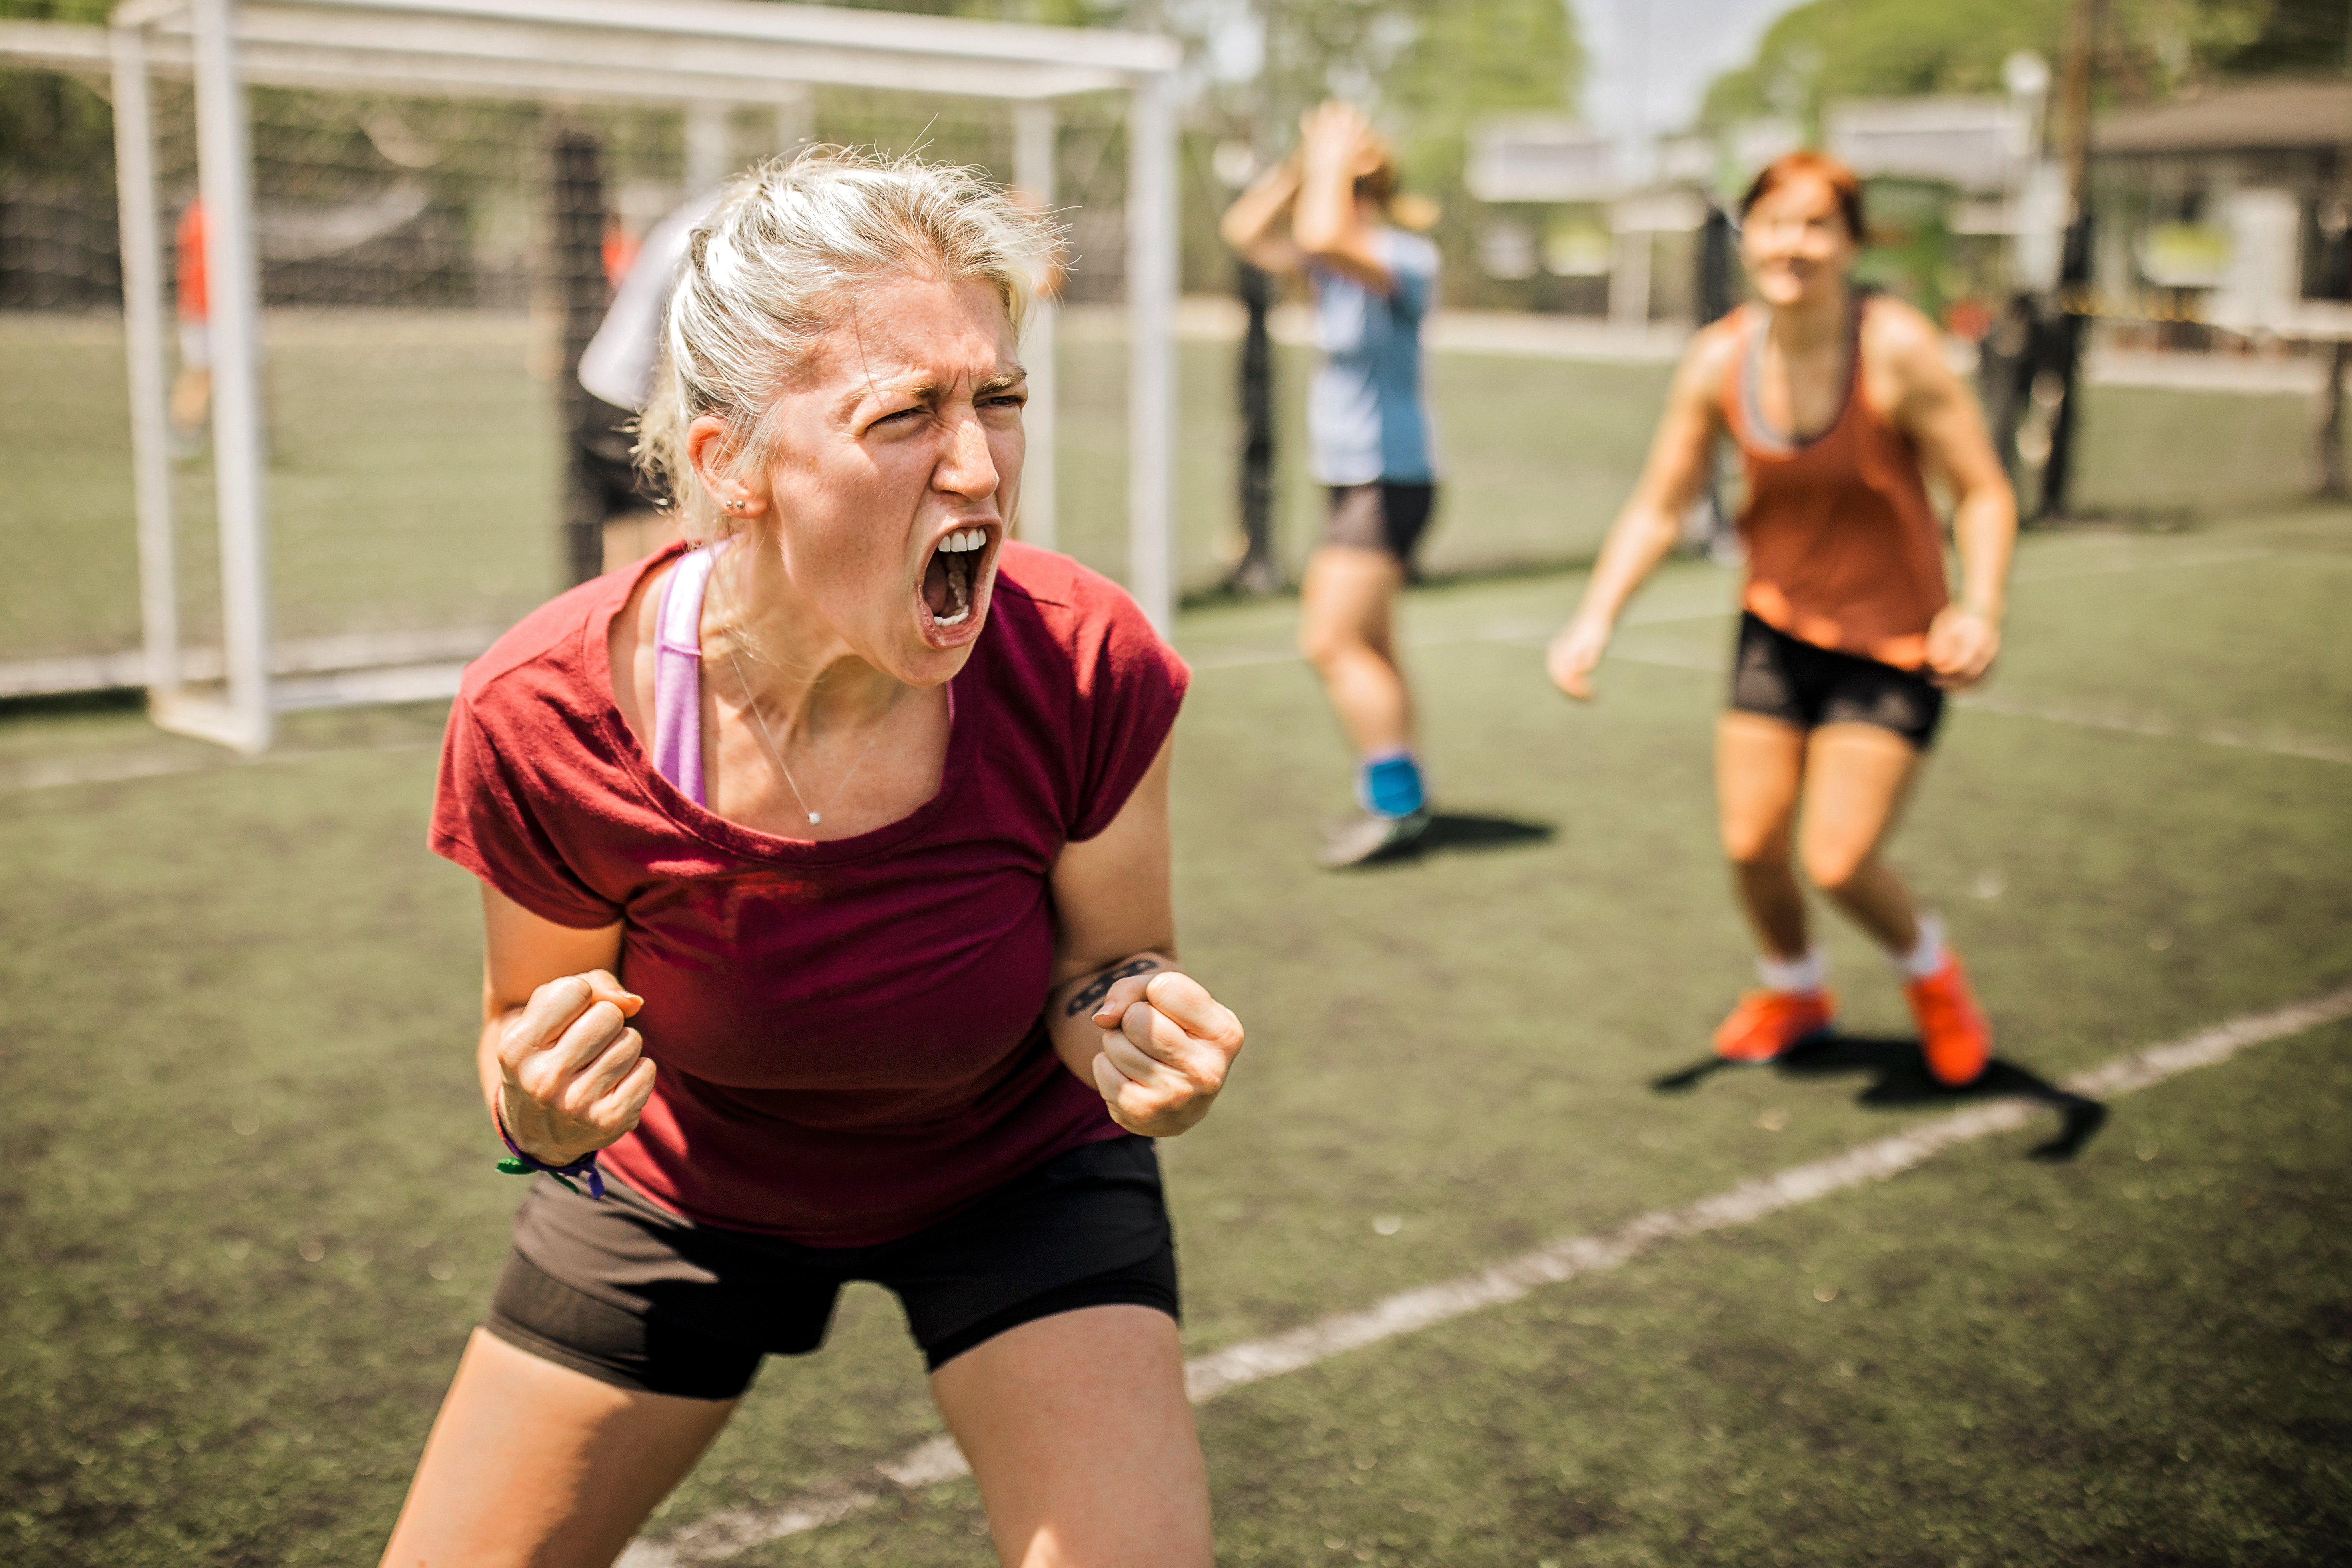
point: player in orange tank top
(1840, 407)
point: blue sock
(1389, 785)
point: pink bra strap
(678, 674)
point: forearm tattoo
(1094, 991)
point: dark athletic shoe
(1367, 839)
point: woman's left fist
(1166, 1047)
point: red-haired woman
(1849, 639)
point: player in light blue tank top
(1324, 213)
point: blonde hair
(773, 269)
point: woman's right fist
(574, 1077)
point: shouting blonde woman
(824, 869)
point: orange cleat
(1767, 1023)
(1952, 1028)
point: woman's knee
(1327, 641)
(1833, 865)
(1755, 841)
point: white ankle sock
(1926, 957)
(1797, 976)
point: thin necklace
(760, 724)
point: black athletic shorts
(1381, 516)
(1783, 677)
(635, 1296)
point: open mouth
(952, 580)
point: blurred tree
(1871, 49)
(2303, 37)
(1425, 69)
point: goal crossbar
(679, 51)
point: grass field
(247, 1213)
(413, 469)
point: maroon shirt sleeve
(489, 815)
(1130, 685)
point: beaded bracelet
(518, 1163)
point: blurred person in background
(1326, 213)
(616, 370)
(1840, 405)
(852, 817)
(192, 388)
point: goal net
(436, 232)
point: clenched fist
(1166, 1047)
(574, 1076)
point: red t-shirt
(851, 1033)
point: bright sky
(1651, 59)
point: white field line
(1526, 631)
(1538, 631)
(734, 1531)
(2310, 748)
(2314, 748)
(2223, 556)
(114, 767)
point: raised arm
(1257, 224)
(1328, 228)
(1652, 521)
(1121, 1015)
(1937, 410)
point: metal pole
(142, 330)
(225, 178)
(2072, 305)
(1258, 571)
(1706, 526)
(1152, 362)
(1034, 170)
(2331, 423)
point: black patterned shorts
(635, 1296)
(1798, 683)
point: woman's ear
(709, 448)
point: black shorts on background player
(1792, 680)
(635, 1296)
(1381, 516)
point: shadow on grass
(1449, 832)
(1900, 1078)
(1458, 830)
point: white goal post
(675, 53)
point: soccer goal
(363, 243)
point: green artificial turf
(247, 1213)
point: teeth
(963, 542)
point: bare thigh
(1082, 1440)
(1857, 777)
(1759, 769)
(533, 1464)
(1347, 599)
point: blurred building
(1587, 224)
(2228, 211)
